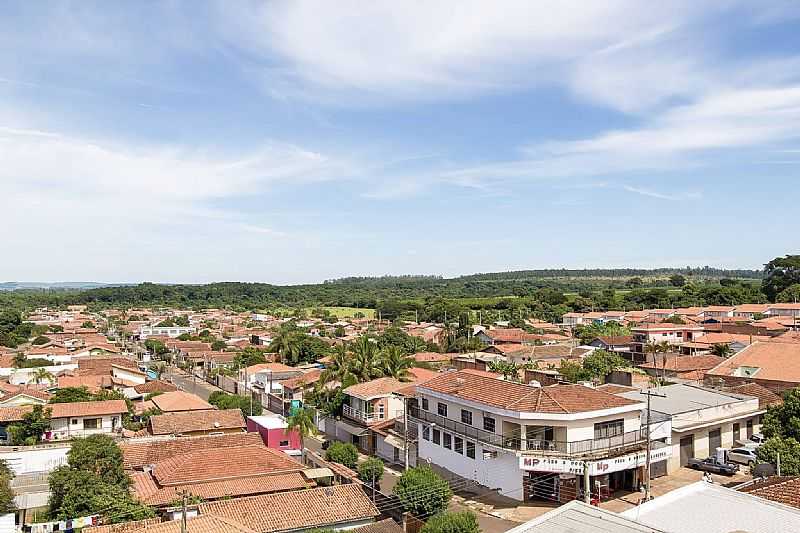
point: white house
(170, 331)
(527, 441)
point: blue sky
(299, 141)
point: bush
(370, 470)
(223, 400)
(461, 522)
(41, 339)
(343, 453)
(423, 492)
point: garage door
(714, 440)
(658, 469)
(687, 449)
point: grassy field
(347, 312)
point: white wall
(500, 473)
(29, 460)
(64, 427)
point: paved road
(188, 383)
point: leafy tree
(370, 470)
(71, 395)
(789, 450)
(790, 294)
(34, 424)
(223, 400)
(423, 492)
(42, 375)
(784, 420)
(343, 453)
(248, 357)
(88, 325)
(302, 421)
(99, 455)
(156, 347)
(634, 282)
(780, 274)
(7, 504)
(676, 280)
(184, 337)
(507, 369)
(41, 339)
(587, 333)
(452, 522)
(218, 345)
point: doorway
(687, 449)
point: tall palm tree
(721, 350)
(41, 375)
(286, 345)
(395, 363)
(302, 421)
(340, 366)
(365, 359)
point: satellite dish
(764, 470)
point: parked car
(755, 440)
(711, 464)
(742, 456)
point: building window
(458, 445)
(441, 408)
(437, 436)
(426, 432)
(447, 440)
(425, 405)
(283, 443)
(74, 421)
(91, 423)
(466, 417)
(471, 450)
(612, 428)
(488, 423)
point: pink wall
(273, 437)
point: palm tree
(365, 359)
(395, 363)
(302, 421)
(721, 349)
(340, 366)
(286, 345)
(42, 374)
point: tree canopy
(423, 492)
(452, 522)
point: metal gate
(714, 440)
(687, 449)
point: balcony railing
(362, 416)
(535, 446)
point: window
(425, 405)
(426, 432)
(447, 440)
(74, 421)
(466, 417)
(91, 423)
(488, 423)
(458, 445)
(283, 443)
(441, 408)
(471, 450)
(437, 436)
(612, 428)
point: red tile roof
(556, 399)
(685, 363)
(177, 401)
(305, 509)
(765, 396)
(777, 361)
(139, 453)
(191, 421)
(155, 386)
(785, 490)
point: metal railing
(547, 447)
(362, 416)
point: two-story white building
(663, 332)
(530, 442)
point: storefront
(561, 480)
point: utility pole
(649, 394)
(184, 528)
(587, 495)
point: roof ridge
(557, 402)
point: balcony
(513, 442)
(362, 416)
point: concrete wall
(27, 460)
(74, 426)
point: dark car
(712, 465)
(326, 444)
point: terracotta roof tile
(155, 386)
(223, 463)
(384, 526)
(139, 453)
(304, 509)
(685, 363)
(778, 361)
(765, 396)
(557, 399)
(199, 524)
(189, 421)
(785, 490)
(176, 401)
(303, 380)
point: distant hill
(57, 285)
